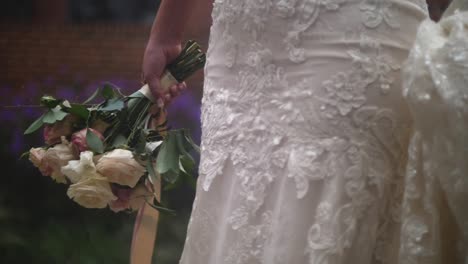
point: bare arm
(171, 20)
(164, 43)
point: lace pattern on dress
(271, 128)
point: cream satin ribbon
(144, 231)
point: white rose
(93, 192)
(57, 157)
(120, 167)
(80, 169)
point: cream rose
(120, 167)
(93, 192)
(57, 157)
(36, 156)
(83, 168)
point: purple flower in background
(184, 112)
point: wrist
(169, 49)
(165, 37)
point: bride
(305, 130)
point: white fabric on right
(435, 215)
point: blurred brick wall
(96, 52)
(29, 53)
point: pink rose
(53, 132)
(123, 199)
(78, 139)
(132, 199)
(139, 196)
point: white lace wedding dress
(305, 133)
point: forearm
(171, 20)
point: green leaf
(92, 97)
(187, 168)
(174, 185)
(24, 155)
(190, 179)
(94, 142)
(35, 125)
(79, 110)
(115, 104)
(167, 162)
(136, 104)
(49, 101)
(119, 140)
(140, 142)
(151, 172)
(54, 115)
(108, 92)
(185, 145)
(182, 143)
(189, 140)
(59, 113)
(66, 104)
(187, 164)
(49, 117)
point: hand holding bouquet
(111, 152)
(160, 58)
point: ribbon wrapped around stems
(167, 80)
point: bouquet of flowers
(111, 153)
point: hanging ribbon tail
(145, 230)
